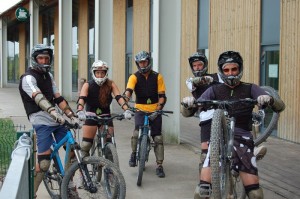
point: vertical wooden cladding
(56, 44)
(289, 88)
(83, 28)
(141, 24)
(189, 20)
(119, 42)
(235, 25)
(22, 48)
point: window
(270, 41)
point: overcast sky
(5, 4)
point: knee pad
(254, 191)
(135, 134)
(256, 194)
(159, 149)
(86, 145)
(44, 164)
(158, 139)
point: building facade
(265, 32)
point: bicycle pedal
(204, 190)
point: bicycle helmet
(198, 57)
(142, 56)
(230, 57)
(99, 65)
(41, 49)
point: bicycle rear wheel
(52, 181)
(142, 158)
(274, 120)
(111, 153)
(97, 152)
(75, 180)
(220, 168)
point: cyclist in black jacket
(230, 66)
(39, 95)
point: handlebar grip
(168, 112)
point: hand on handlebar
(198, 81)
(153, 116)
(57, 117)
(128, 114)
(264, 100)
(188, 101)
(81, 115)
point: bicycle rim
(220, 169)
(52, 181)
(74, 181)
(142, 159)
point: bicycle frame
(69, 140)
(144, 130)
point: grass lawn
(7, 140)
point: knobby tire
(52, 181)
(73, 177)
(220, 178)
(142, 158)
(267, 132)
(111, 153)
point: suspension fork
(88, 183)
(230, 137)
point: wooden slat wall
(141, 24)
(235, 25)
(22, 48)
(119, 43)
(83, 28)
(289, 84)
(56, 45)
(189, 20)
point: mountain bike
(225, 182)
(80, 178)
(145, 142)
(104, 146)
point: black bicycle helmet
(230, 57)
(198, 57)
(45, 50)
(142, 56)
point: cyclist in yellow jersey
(149, 88)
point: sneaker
(197, 192)
(160, 172)
(73, 194)
(132, 160)
(260, 152)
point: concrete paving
(279, 170)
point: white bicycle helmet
(41, 49)
(99, 65)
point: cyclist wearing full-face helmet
(95, 99)
(149, 88)
(39, 95)
(197, 85)
(230, 66)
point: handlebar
(101, 119)
(221, 104)
(162, 112)
(71, 125)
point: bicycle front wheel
(220, 168)
(81, 180)
(52, 180)
(142, 158)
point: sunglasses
(226, 70)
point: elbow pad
(43, 103)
